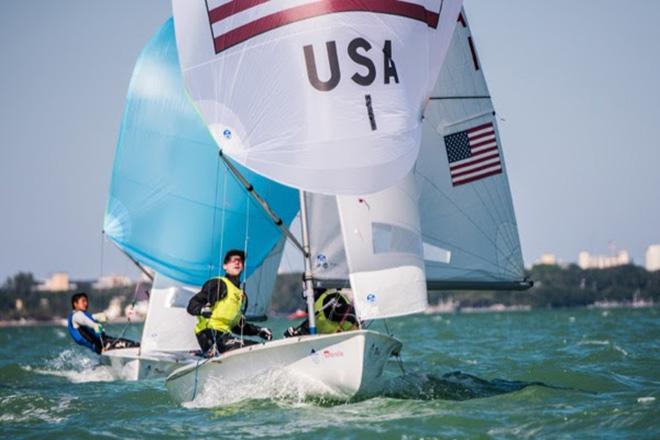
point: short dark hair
(76, 297)
(234, 253)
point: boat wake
(75, 367)
(452, 386)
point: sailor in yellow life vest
(333, 311)
(218, 307)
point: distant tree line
(570, 286)
(554, 286)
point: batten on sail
(325, 96)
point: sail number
(358, 51)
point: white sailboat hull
(131, 364)
(340, 365)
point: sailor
(218, 307)
(333, 311)
(86, 329)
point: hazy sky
(576, 83)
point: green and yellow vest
(225, 313)
(325, 325)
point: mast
(307, 277)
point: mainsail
(468, 223)
(322, 95)
(469, 237)
(173, 204)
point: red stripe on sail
(477, 159)
(474, 170)
(231, 8)
(303, 12)
(480, 176)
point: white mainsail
(468, 222)
(325, 96)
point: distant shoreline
(59, 322)
(431, 310)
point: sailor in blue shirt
(86, 329)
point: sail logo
(236, 21)
(327, 354)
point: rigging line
(128, 322)
(264, 205)
(211, 263)
(442, 98)
(468, 119)
(245, 247)
(102, 254)
(136, 262)
(222, 225)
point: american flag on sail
(235, 21)
(473, 154)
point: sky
(575, 85)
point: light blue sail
(173, 204)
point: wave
(76, 367)
(452, 386)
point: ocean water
(538, 374)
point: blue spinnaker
(173, 205)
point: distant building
(58, 282)
(111, 281)
(587, 261)
(653, 257)
(547, 259)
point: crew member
(86, 329)
(218, 307)
(333, 311)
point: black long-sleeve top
(213, 291)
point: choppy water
(539, 374)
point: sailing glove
(206, 312)
(265, 333)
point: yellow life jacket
(325, 325)
(225, 313)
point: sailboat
(388, 206)
(447, 221)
